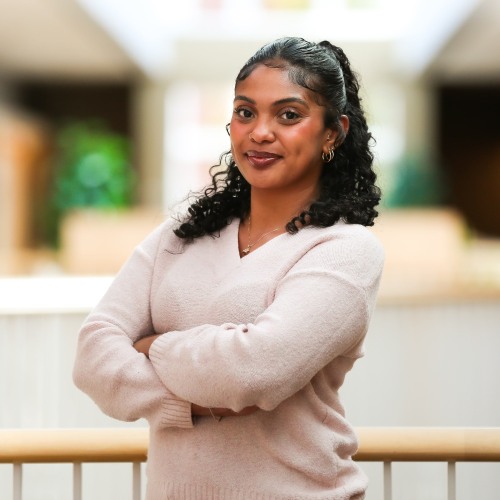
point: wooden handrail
(428, 444)
(379, 444)
(73, 445)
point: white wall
(432, 364)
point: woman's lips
(262, 159)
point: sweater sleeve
(320, 311)
(121, 381)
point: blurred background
(111, 111)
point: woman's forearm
(143, 346)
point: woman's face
(278, 132)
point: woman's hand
(143, 345)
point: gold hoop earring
(328, 157)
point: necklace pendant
(246, 251)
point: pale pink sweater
(278, 329)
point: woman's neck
(269, 210)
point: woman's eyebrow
(244, 98)
(287, 100)
(279, 102)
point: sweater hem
(183, 491)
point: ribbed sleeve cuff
(155, 351)
(175, 412)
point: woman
(232, 330)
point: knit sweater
(278, 329)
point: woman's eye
(289, 115)
(243, 113)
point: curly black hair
(347, 186)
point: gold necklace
(247, 249)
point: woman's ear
(344, 123)
(336, 136)
(343, 130)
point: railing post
(77, 481)
(18, 481)
(452, 481)
(136, 481)
(387, 480)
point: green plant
(417, 182)
(92, 170)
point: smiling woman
(303, 85)
(277, 130)
(232, 330)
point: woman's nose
(262, 132)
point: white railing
(386, 445)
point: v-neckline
(245, 257)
